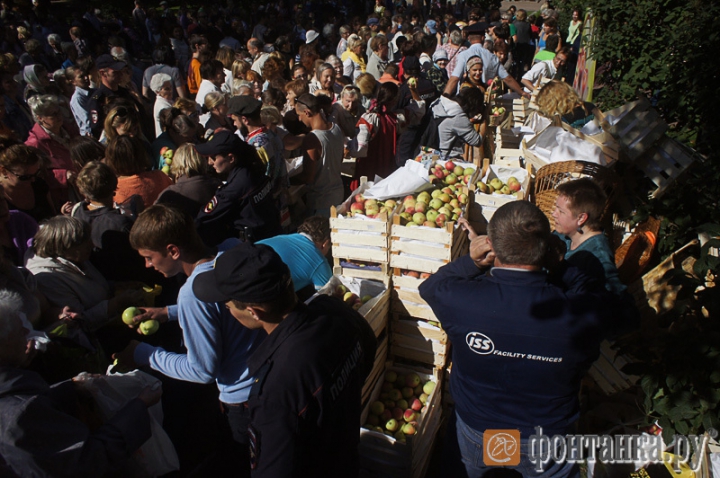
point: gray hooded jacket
(455, 130)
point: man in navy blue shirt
(522, 341)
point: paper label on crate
(407, 180)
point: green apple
(412, 380)
(424, 197)
(149, 327)
(129, 314)
(418, 218)
(432, 214)
(436, 193)
(377, 407)
(429, 387)
(392, 425)
(390, 376)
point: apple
(389, 405)
(418, 218)
(423, 398)
(391, 425)
(438, 174)
(403, 404)
(459, 171)
(400, 382)
(425, 275)
(340, 290)
(429, 387)
(454, 203)
(410, 209)
(431, 215)
(413, 274)
(417, 391)
(409, 429)
(436, 204)
(129, 314)
(445, 197)
(409, 197)
(395, 394)
(450, 165)
(348, 297)
(462, 198)
(482, 187)
(397, 413)
(451, 179)
(386, 415)
(373, 420)
(149, 327)
(366, 298)
(378, 429)
(416, 405)
(390, 376)
(424, 197)
(377, 407)
(435, 193)
(452, 188)
(370, 202)
(496, 183)
(468, 172)
(357, 207)
(466, 179)
(429, 224)
(409, 415)
(407, 216)
(407, 392)
(359, 198)
(399, 436)
(445, 210)
(420, 207)
(391, 203)
(505, 190)
(357, 305)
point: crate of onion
(400, 423)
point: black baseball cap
(411, 63)
(248, 273)
(244, 106)
(222, 142)
(478, 28)
(107, 61)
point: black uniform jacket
(305, 403)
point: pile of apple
(496, 186)
(434, 209)
(146, 327)
(449, 173)
(371, 207)
(350, 298)
(498, 111)
(403, 398)
(415, 274)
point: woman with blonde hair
(122, 119)
(557, 98)
(226, 56)
(193, 187)
(367, 84)
(240, 68)
(257, 82)
(353, 60)
(216, 105)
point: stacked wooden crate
(517, 105)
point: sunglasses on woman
(24, 177)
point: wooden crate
(405, 297)
(375, 310)
(417, 348)
(378, 370)
(425, 249)
(639, 126)
(665, 162)
(489, 203)
(512, 102)
(418, 328)
(382, 455)
(507, 145)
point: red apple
(397, 413)
(409, 415)
(450, 165)
(416, 405)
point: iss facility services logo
(501, 447)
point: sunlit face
(81, 80)
(566, 222)
(222, 164)
(327, 79)
(161, 262)
(348, 102)
(338, 67)
(576, 16)
(559, 60)
(300, 74)
(166, 91)
(475, 73)
(290, 97)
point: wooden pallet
(665, 162)
(382, 455)
(638, 128)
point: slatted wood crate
(636, 126)
(375, 310)
(382, 455)
(665, 162)
(378, 370)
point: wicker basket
(550, 176)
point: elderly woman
(161, 85)
(22, 178)
(130, 162)
(217, 116)
(60, 263)
(52, 135)
(193, 187)
(347, 111)
(337, 66)
(324, 79)
(557, 98)
(37, 81)
(353, 61)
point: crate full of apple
(370, 298)
(451, 173)
(499, 186)
(401, 421)
(433, 208)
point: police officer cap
(476, 28)
(243, 106)
(222, 142)
(251, 273)
(107, 61)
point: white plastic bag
(157, 456)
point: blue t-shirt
(595, 258)
(307, 265)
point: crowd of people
(155, 146)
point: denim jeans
(463, 456)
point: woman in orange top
(129, 160)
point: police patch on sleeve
(211, 205)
